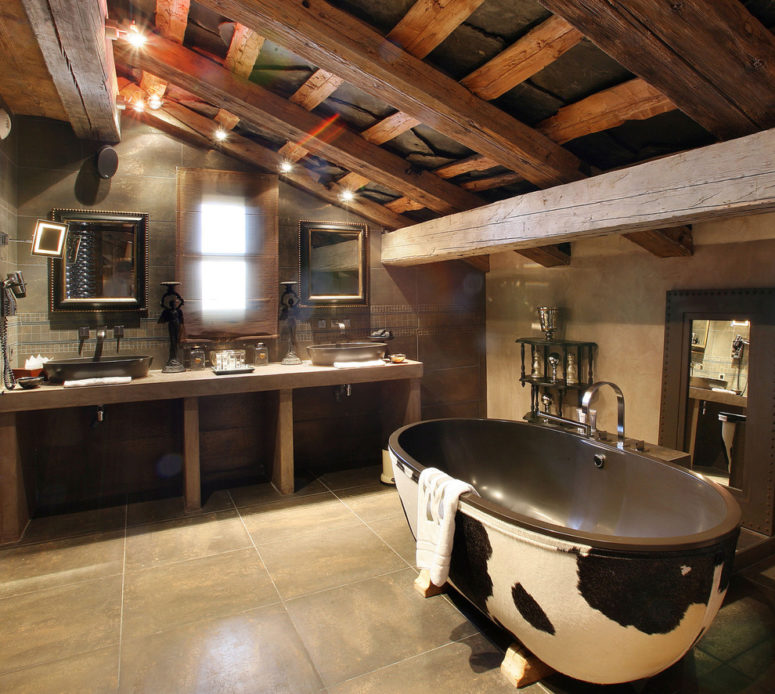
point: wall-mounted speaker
(107, 161)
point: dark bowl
(28, 382)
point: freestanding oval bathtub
(607, 564)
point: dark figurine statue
(172, 315)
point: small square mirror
(49, 238)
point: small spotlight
(346, 195)
(221, 134)
(139, 105)
(154, 101)
(134, 36)
(286, 166)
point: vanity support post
(282, 470)
(14, 514)
(192, 487)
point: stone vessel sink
(327, 354)
(85, 367)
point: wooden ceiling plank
(79, 58)
(243, 51)
(25, 82)
(318, 87)
(557, 255)
(480, 262)
(327, 138)
(429, 22)
(665, 243)
(342, 44)
(632, 100)
(228, 121)
(172, 18)
(523, 59)
(723, 180)
(352, 181)
(389, 127)
(714, 60)
(404, 204)
(193, 127)
(491, 182)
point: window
(227, 252)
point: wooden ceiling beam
(79, 57)
(476, 162)
(557, 255)
(632, 100)
(723, 180)
(352, 181)
(665, 243)
(342, 44)
(172, 18)
(714, 60)
(254, 104)
(491, 182)
(244, 47)
(191, 126)
(523, 59)
(480, 262)
(389, 127)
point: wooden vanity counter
(189, 387)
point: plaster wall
(613, 293)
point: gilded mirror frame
(61, 303)
(757, 488)
(306, 292)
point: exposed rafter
(172, 18)
(340, 43)
(557, 255)
(665, 243)
(714, 60)
(79, 58)
(261, 107)
(722, 180)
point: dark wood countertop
(159, 386)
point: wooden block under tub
(521, 668)
(424, 586)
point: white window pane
(223, 226)
(224, 286)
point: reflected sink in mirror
(327, 354)
(61, 370)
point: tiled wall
(436, 312)
(8, 181)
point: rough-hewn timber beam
(192, 127)
(665, 243)
(714, 60)
(252, 103)
(244, 47)
(72, 40)
(722, 180)
(172, 18)
(548, 256)
(342, 44)
(633, 100)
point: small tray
(224, 372)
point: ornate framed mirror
(105, 263)
(718, 403)
(333, 263)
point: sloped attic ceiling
(426, 107)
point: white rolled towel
(437, 501)
(106, 381)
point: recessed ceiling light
(346, 195)
(286, 166)
(154, 101)
(221, 134)
(135, 36)
(139, 105)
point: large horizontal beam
(349, 48)
(722, 180)
(71, 36)
(266, 110)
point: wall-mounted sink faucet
(118, 333)
(100, 334)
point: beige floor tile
(168, 509)
(395, 531)
(184, 538)
(256, 494)
(354, 629)
(95, 672)
(59, 622)
(25, 568)
(325, 559)
(344, 479)
(167, 596)
(372, 502)
(286, 521)
(71, 524)
(471, 665)
(253, 652)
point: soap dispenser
(262, 355)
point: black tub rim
(716, 535)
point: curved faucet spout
(587, 397)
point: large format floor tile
(59, 622)
(373, 502)
(325, 559)
(251, 653)
(357, 628)
(163, 597)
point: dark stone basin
(327, 354)
(85, 367)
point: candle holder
(172, 315)
(289, 302)
(550, 320)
